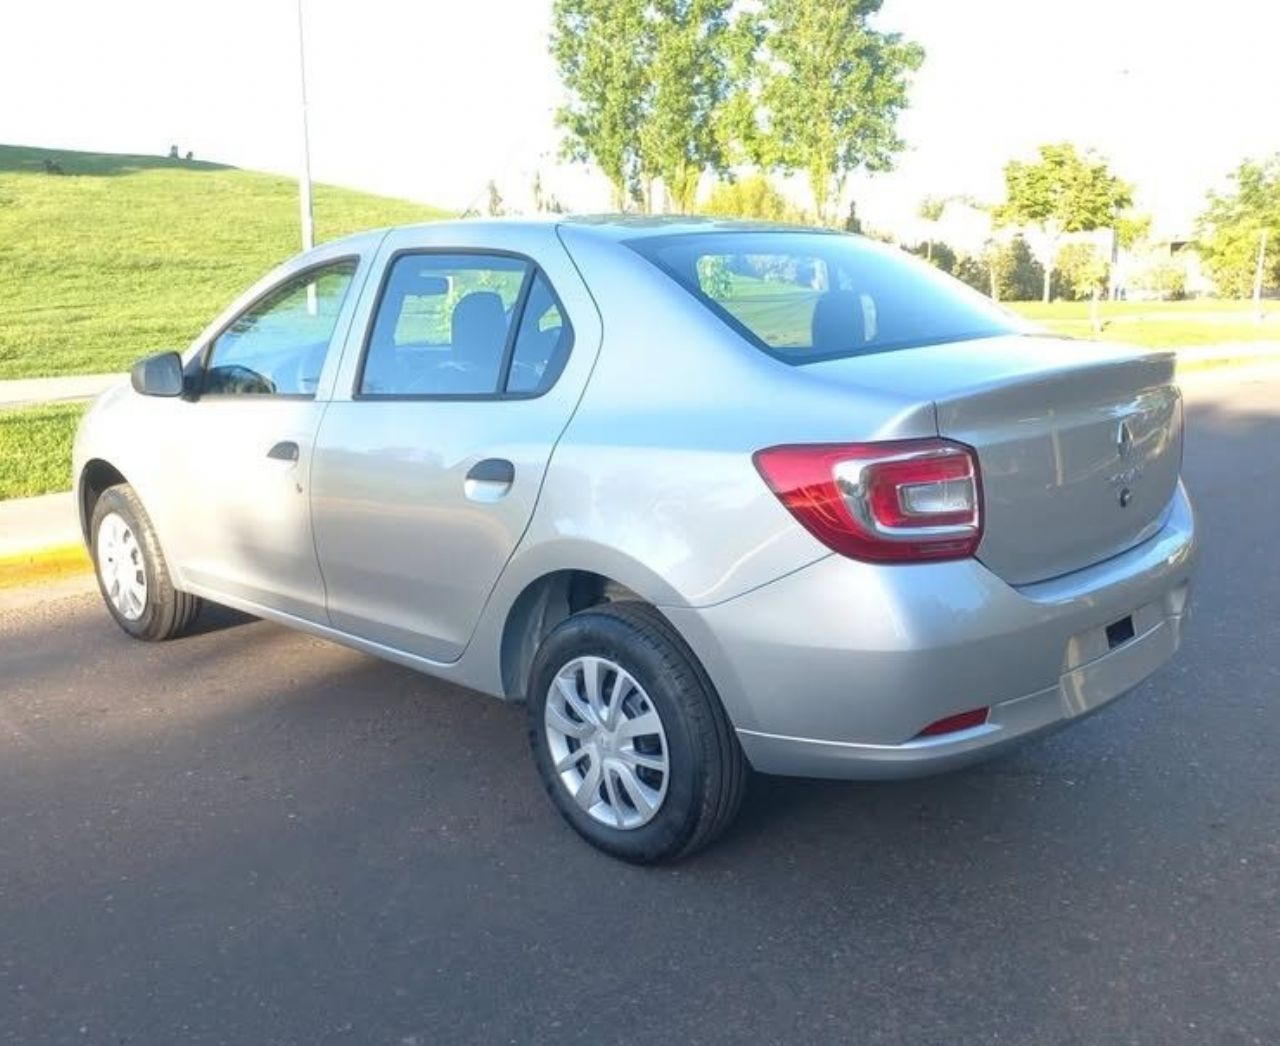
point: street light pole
(304, 178)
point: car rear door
(469, 352)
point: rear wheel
(629, 737)
(132, 573)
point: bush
(751, 197)
(941, 255)
(973, 271)
(1019, 277)
(1166, 280)
(1017, 274)
(1078, 271)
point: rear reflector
(893, 502)
(955, 723)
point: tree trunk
(928, 250)
(1048, 281)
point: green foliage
(1018, 276)
(714, 276)
(688, 73)
(1063, 191)
(1016, 273)
(35, 449)
(648, 82)
(128, 254)
(1166, 279)
(1079, 271)
(670, 89)
(1230, 229)
(753, 196)
(932, 208)
(975, 271)
(939, 254)
(1132, 229)
(600, 49)
(832, 87)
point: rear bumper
(834, 670)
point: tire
(644, 666)
(132, 575)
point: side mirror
(158, 375)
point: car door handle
(285, 450)
(489, 480)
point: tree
(831, 88)
(1061, 192)
(1230, 229)
(1132, 229)
(931, 209)
(753, 196)
(687, 83)
(600, 47)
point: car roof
(605, 226)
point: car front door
(461, 374)
(243, 445)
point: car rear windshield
(809, 296)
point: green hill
(120, 255)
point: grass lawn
(35, 448)
(123, 255)
(1159, 324)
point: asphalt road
(249, 836)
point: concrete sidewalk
(24, 392)
(30, 525)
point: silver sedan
(706, 496)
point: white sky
(429, 99)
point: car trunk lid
(1079, 444)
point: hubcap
(607, 743)
(120, 565)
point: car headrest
(479, 323)
(838, 322)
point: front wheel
(629, 737)
(132, 573)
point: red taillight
(954, 723)
(895, 502)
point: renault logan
(706, 496)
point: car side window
(443, 325)
(542, 342)
(278, 345)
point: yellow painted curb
(45, 563)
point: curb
(1220, 362)
(43, 564)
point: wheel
(131, 570)
(629, 737)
